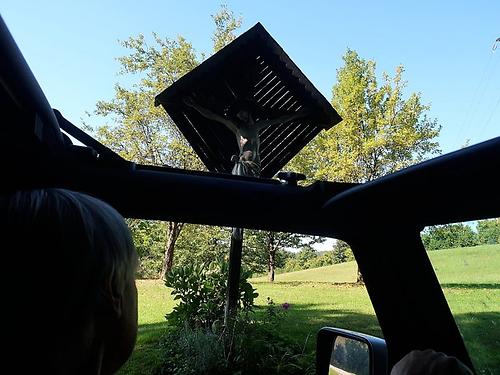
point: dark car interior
(381, 220)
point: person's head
(429, 362)
(243, 115)
(71, 281)
(242, 109)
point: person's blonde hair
(63, 249)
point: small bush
(252, 347)
(202, 294)
(198, 343)
(190, 351)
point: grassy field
(326, 296)
(338, 273)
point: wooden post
(233, 280)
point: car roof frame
(380, 219)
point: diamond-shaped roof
(252, 68)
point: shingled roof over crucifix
(252, 69)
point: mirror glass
(349, 357)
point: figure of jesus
(247, 132)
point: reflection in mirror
(349, 357)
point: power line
(495, 44)
(485, 125)
(478, 94)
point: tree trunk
(271, 263)
(173, 232)
(359, 279)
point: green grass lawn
(338, 273)
(326, 296)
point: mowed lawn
(327, 296)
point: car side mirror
(343, 352)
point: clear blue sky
(445, 46)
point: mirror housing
(343, 352)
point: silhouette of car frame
(381, 220)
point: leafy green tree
(306, 258)
(274, 242)
(309, 258)
(449, 236)
(202, 244)
(320, 260)
(382, 131)
(271, 247)
(254, 254)
(341, 252)
(138, 130)
(488, 231)
(226, 24)
(306, 254)
(149, 240)
(292, 264)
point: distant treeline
(461, 235)
(438, 237)
(307, 257)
